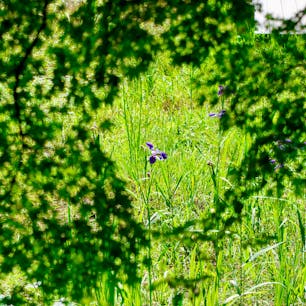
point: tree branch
(20, 68)
(18, 72)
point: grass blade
(302, 229)
(263, 251)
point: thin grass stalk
(145, 195)
(215, 178)
(127, 121)
(147, 204)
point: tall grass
(244, 268)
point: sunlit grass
(245, 268)
(162, 107)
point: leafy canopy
(58, 60)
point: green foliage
(44, 171)
(59, 66)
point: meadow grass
(258, 261)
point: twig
(20, 68)
(18, 72)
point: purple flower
(150, 145)
(155, 154)
(219, 115)
(152, 159)
(288, 140)
(274, 162)
(221, 90)
(163, 155)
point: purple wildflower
(150, 145)
(219, 115)
(152, 159)
(274, 162)
(288, 140)
(155, 154)
(163, 155)
(221, 90)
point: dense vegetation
(93, 212)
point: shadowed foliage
(59, 64)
